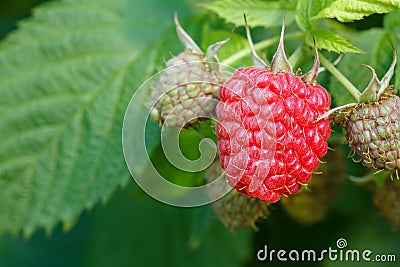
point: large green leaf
(392, 21)
(349, 10)
(133, 230)
(258, 12)
(143, 232)
(332, 42)
(379, 56)
(59, 249)
(307, 9)
(392, 24)
(306, 13)
(66, 77)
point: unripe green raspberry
(373, 132)
(373, 124)
(186, 90)
(235, 210)
(312, 203)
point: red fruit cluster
(268, 139)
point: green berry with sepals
(186, 90)
(373, 124)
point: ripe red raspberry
(311, 205)
(236, 211)
(268, 142)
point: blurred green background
(131, 229)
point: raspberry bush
(70, 70)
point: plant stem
(341, 78)
(260, 45)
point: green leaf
(66, 77)
(391, 21)
(144, 232)
(258, 12)
(203, 218)
(378, 55)
(132, 230)
(307, 9)
(330, 41)
(350, 10)
(189, 141)
(392, 25)
(44, 250)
